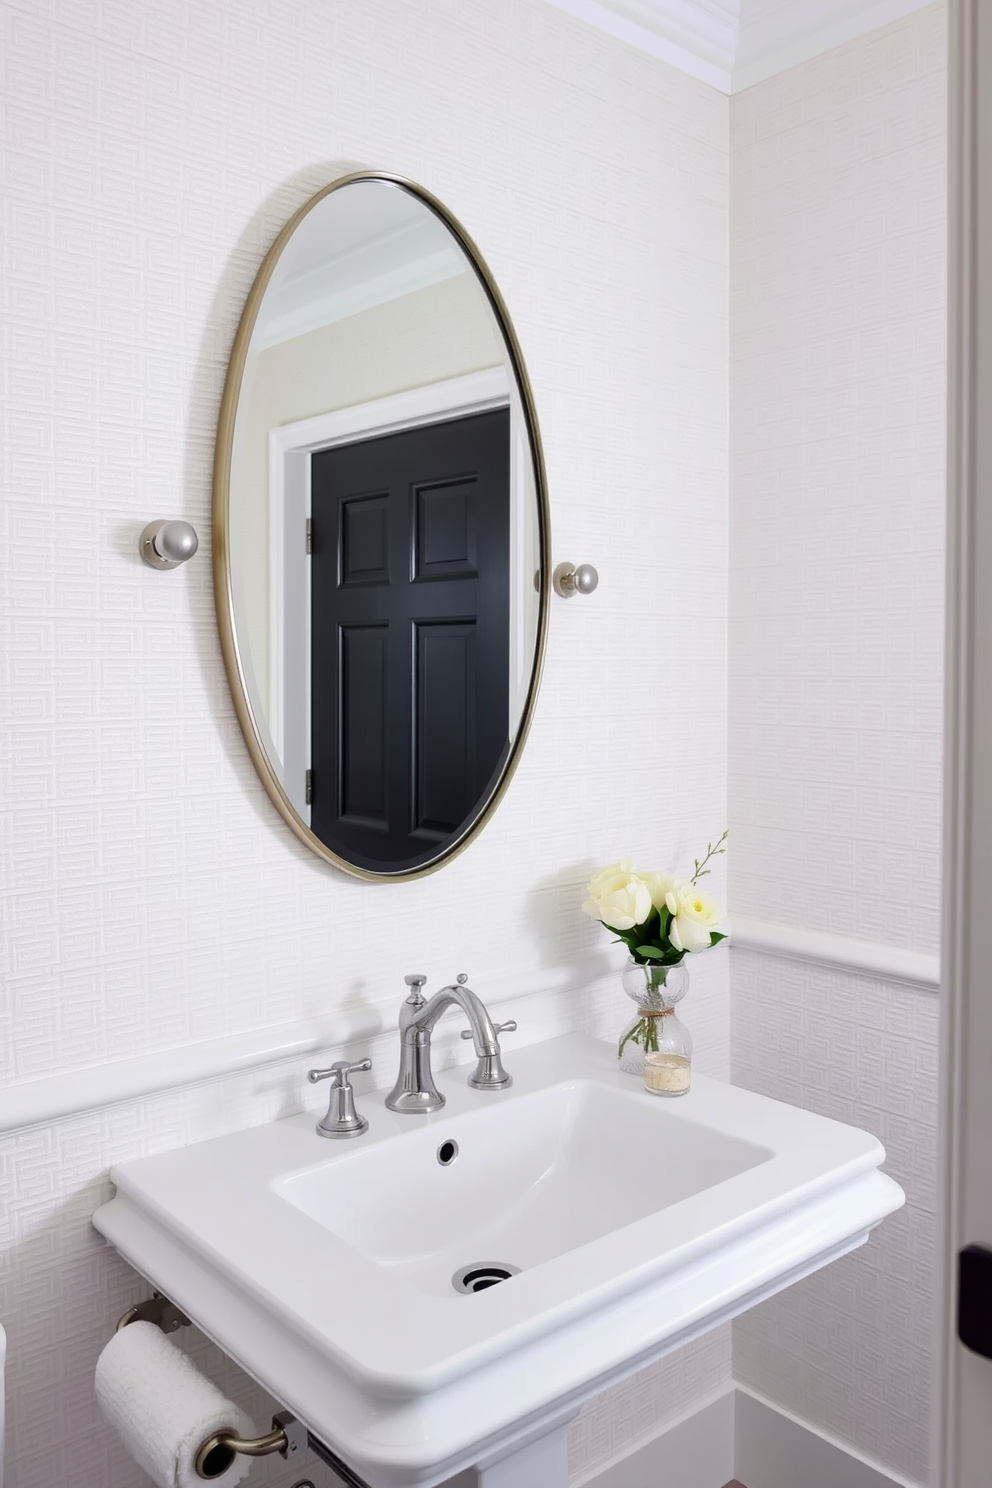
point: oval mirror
(380, 530)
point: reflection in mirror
(380, 516)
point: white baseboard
(774, 1449)
(738, 1435)
(695, 1451)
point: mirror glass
(380, 530)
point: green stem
(644, 1034)
(711, 852)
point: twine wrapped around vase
(644, 1031)
(655, 989)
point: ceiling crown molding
(685, 33)
(732, 44)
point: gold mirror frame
(221, 526)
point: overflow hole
(447, 1152)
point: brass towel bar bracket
(288, 1436)
(158, 1310)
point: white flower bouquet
(660, 918)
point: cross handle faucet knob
(342, 1120)
(338, 1072)
(509, 1027)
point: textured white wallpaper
(848, 1348)
(149, 894)
(838, 223)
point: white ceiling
(734, 43)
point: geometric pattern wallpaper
(150, 897)
(838, 393)
(838, 325)
(849, 1347)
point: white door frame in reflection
(290, 449)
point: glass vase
(655, 989)
(668, 1068)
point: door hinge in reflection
(309, 534)
(309, 787)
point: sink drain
(482, 1275)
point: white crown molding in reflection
(733, 44)
(413, 256)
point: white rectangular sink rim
(535, 1178)
(404, 1383)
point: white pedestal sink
(628, 1223)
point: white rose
(619, 897)
(696, 917)
(665, 889)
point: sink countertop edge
(465, 1352)
(408, 1429)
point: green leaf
(650, 952)
(715, 938)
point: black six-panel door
(410, 636)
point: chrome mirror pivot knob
(342, 1120)
(165, 544)
(569, 580)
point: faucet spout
(415, 1089)
(483, 1033)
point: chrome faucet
(415, 1089)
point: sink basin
(624, 1223)
(531, 1180)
